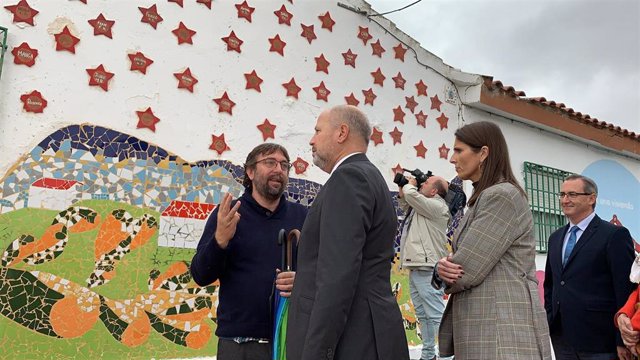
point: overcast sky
(583, 53)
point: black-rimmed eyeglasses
(271, 164)
(571, 194)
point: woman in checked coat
(494, 310)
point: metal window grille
(3, 46)
(542, 184)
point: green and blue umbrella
(282, 303)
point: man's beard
(319, 161)
(269, 192)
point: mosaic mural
(132, 214)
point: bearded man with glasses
(239, 248)
(586, 278)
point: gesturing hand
(227, 221)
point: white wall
(189, 119)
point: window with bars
(542, 184)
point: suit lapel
(584, 238)
(556, 259)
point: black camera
(419, 175)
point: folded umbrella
(282, 303)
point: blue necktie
(570, 243)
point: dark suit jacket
(592, 286)
(342, 306)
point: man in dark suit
(342, 306)
(586, 278)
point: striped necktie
(570, 243)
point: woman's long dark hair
(496, 168)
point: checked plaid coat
(494, 310)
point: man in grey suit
(342, 306)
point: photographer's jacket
(425, 241)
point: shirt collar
(582, 225)
(342, 160)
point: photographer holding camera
(422, 244)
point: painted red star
(267, 129)
(376, 136)
(377, 49)
(139, 62)
(421, 119)
(184, 34)
(300, 166)
(218, 144)
(102, 26)
(435, 103)
(421, 87)
(292, 88)
(284, 17)
(396, 135)
(443, 120)
(233, 42)
(206, 3)
(411, 103)
(150, 16)
(33, 102)
(327, 21)
(65, 41)
(24, 55)
(421, 151)
(253, 81)
(146, 119)
(350, 58)
(322, 93)
(186, 80)
(397, 169)
(351, 100)
(225, 104)
(179, 2)
(399, 51)
(399, 81)
(308, 33)
(398, 114)
(245, 11)
(99, 77)
(444, 151)
(22, 12)
(277, 45)
(378, 77)
(369, 96)
(322, 64)
(363, 34)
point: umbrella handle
(293, 235)
(282, 241)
